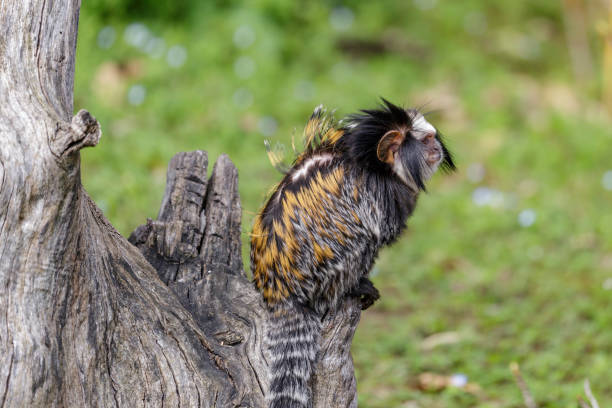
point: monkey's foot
(366, 292)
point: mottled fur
(347, 195)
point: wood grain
(90, 319)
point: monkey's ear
(388, 145)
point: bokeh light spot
(106, 37)
(244, 67)
(136, 94)
(526, 218)
(475, 172)
(242, 98)
(425, 4)
(341, 18)
(136, 35)
(244, 36)
(177, 55)
(304, 91)
(606, 180)
(155, 47)
(267, 125)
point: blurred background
(507, 260)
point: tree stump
(90, 319)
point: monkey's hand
(366, 292)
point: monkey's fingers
(367, 293)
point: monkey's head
(399, 141)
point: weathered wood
(211, 284)
(86, 317)
(195, 247)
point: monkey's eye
(427, 138)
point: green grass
(502, 92)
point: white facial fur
(421, 127)
(405, 176)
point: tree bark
(90, 319)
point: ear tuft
(388, 145)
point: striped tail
(292, 340)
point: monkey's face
(414, 151)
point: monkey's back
(317, 235)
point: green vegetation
(512, 254)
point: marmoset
(348, 194)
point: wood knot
(84, 130)
(229, 338)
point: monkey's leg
(366, 292)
